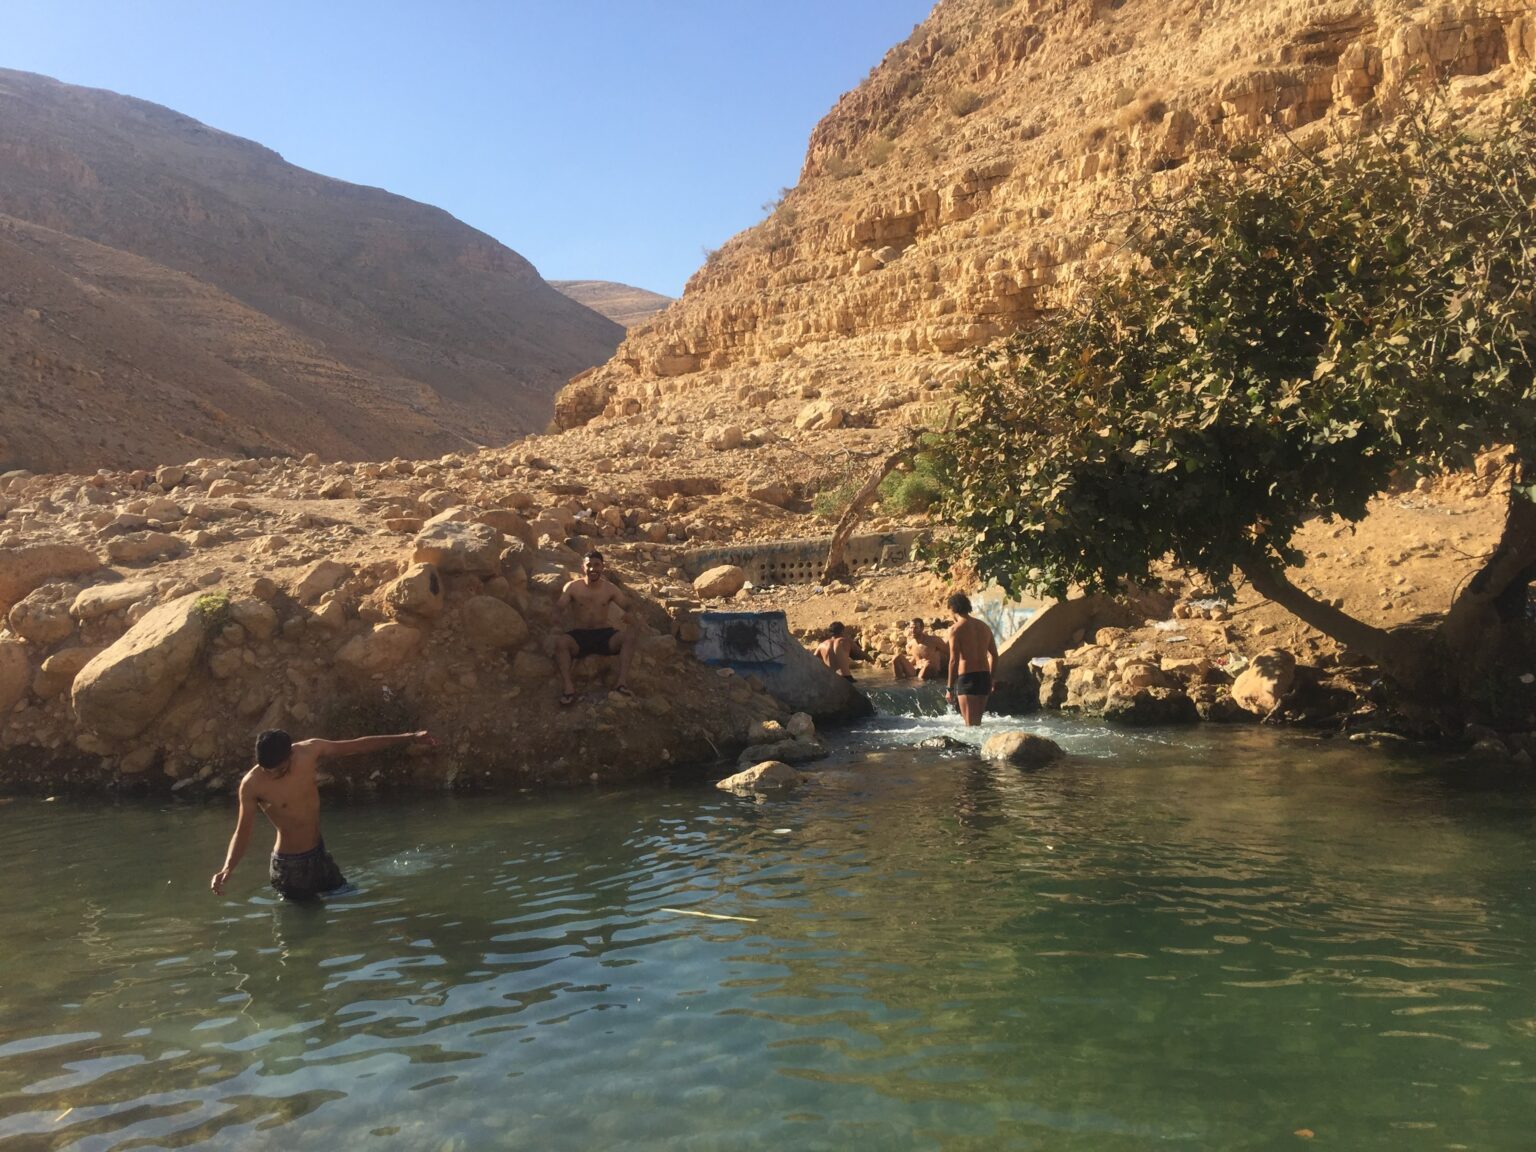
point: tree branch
(1377, 644)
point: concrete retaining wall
(801, 561)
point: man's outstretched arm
(365, 744)
(237, 842)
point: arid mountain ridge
(622, 303)
(168, 291)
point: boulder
(15, 672)
(720, 582)
(58, 672)
(1024, 749)
(789, 751)
(257, 618)
(1265, 682)
(23, 569)
(137, 547)
(1147, 706)
(40, 618)
(320, 579)
(726, 438)
(510, 523)
(123, 688)
(460, 547)
(490, 624)
(418, 592)
(381, 650)
(767, 732)
(777, 493)
(820, 414)
(943, 744)
(767, 776)
(107, 598)
(801, 726)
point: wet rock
(943, 744)
(1266, 681)
(767, 776)
(1148, 706)
(1025, 749)
(767, 732)
(789, 751)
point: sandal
(567, 699)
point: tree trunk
(1380, 645)
(836, 567)
(1491, 610)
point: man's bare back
(972, 660)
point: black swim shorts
(305, 875)
(973, 684)
(592, 641)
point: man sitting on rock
(836, 651)
(972, 660)
(283, 786)
(926, 656)
(586, 599)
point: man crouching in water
(283, 786)
(972, 660)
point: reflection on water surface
(1192, 939)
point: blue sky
(602, 139)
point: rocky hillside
(622, 303)
(169, 291)
(976, 171)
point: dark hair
(960, 603)
(273, 747)
(835, 628)
(917, 622)
(595, 555)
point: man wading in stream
(283, 786)
(972, 660)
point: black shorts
(592, 641)
(305, 875)
(973, 684)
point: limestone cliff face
(976, 171)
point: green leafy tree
(1290, 339)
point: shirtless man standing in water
(283, 786)
(972, 660)
(587, 599)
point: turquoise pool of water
(1199, 939)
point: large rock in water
(119, 692)
(1261, 686)
(1025, 749)
(769, 776)
(23, 569)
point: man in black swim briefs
(586, 600)
(972, 658)
(283, 786)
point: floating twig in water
(711, 915)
